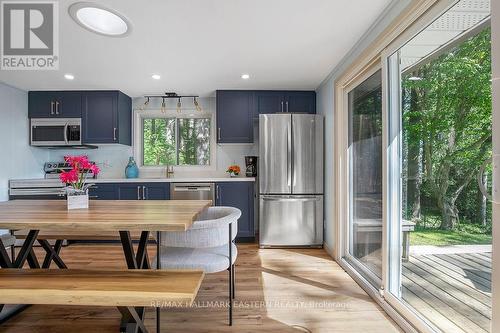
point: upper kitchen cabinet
(107, 117)
(278, 101)
(234, 116)
(54, 104)
(269, 102)
(300, 102)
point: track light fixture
(172, 95)
(145, 105)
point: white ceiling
(198, 46)
(460, 18)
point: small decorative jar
(131, 171)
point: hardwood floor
(277, 290)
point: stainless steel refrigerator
(291, 180)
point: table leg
(139, 261)
(158, 266)
(52, 253)
(26, 253)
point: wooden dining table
(103, 216)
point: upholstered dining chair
(208, 245)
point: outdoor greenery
(465, 232)
(162, 145)
(447, 137)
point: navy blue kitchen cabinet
(130, 191)
(106, 117)
(300, 102)
(278, 101)
(54, 104)
(237, 110)
(269, 102)
(234, 116)
(239, 195)
(144, 191)
(103, 191)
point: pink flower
(95, 169)
(78, 162)
(68, 177)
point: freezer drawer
(291, 220)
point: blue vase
(131, 171)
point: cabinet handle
(57, 107)
(144, 193)
(52, 107)
(114, 133)
(217, 192)
(281, 106)
(287, 106)
(138, 193)
(218, 133)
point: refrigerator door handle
(289, 157)
(293, 199)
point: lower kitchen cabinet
(240, 195)
(103, 192)
(130, 191)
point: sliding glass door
(417, 132)
(364, 232)
(438, 148)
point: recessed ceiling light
(69, 76)
(99, 19)
(245, 76)
(156, 76)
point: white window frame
(139, 115)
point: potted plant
(233, 170)
(76, 181)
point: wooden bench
(124, 289)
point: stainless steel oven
(45, 132)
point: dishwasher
(193, 191)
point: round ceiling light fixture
(100, 20)
(69, 76)
(245, 76)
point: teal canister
(131, 171)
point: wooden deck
(452, 290)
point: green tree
(448, 114)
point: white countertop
(176, 179)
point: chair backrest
(211, 229)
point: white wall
(17, 158)
(325, 105)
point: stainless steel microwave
(60, 132)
